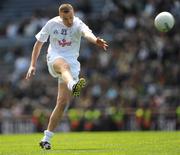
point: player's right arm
(41, 37)
(35, 54)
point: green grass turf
(94, 143)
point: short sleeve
(84, 28)
(43, 35)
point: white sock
(47, 136)
(71, 84)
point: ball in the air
(164, 22)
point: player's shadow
(87, 150)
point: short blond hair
(65, 8)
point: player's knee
(65, 66)
(60, 67)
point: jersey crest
(64, 43)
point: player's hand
(31, 72)
(102, 43)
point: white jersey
(64, 41)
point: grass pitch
(94, 143)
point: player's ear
(73, 12)
(60, 14)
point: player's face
(67, 18)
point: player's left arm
(96, 40)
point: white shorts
(73, 62)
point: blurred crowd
(135, 85)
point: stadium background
(135, 85)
